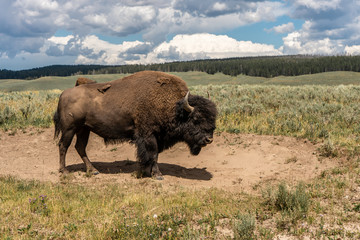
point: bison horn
(187, 106)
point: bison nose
(208, 140)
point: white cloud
(89, 49)
(213, 46)
(294, 44)
(124, 20)
(92, 50)
(265, 11)
(319, 4)
(96, 20)
(334, 19)
(199, 17)
(155, 19)
(35, 7)
(97, 45)
(331, 27)
(284, 28)
(218, 6)
(61, 40)
(352, 50)
(28, 27)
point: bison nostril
(209, 140)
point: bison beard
(149, 109)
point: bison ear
(187, 106)
(103, 89)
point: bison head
(197, 117)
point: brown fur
(145, 108)
(149, 97)
(82, 80)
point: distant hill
(267, 67)
(191, 78)
(53, 70)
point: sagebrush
(310, 112)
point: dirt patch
(232, 162)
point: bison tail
(56, 120)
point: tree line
(253, 66)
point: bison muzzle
(153, 110)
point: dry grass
(324, 208)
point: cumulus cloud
(352, 50)
(335, 19)
(283, 28)
(189, 47)
(294, 44)
(92, 50)
(181, 47)
(318, 5)
(28, 27)
(153, 19)
(331, 27)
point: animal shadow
(128, 166)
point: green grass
(130, 211)
(317, 113)
(327, 78)
(328, 114)
(324, 208)
(27, 108)
(192, 79)
(49, 83)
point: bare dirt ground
(231, 162)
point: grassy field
(192, 79)
(324, 208)
(317, 113)
(49, 83)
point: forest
(252, 66)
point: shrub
(244, 228)
(293, 205)
(22, 109)
(328, 149)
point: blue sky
(36, 33)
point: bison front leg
(147, 153)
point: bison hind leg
(82, 138)
(64, 143)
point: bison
(82, 80)
(150, 109)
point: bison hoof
(158, 177)
(92, 172)
(63, 171)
